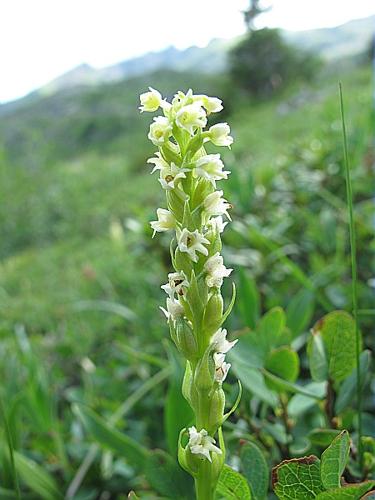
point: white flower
(177, 283)
(158, 161)
(210, 167)
(216, 271)
(219, 342)
(212, 104)
(191, 243)
(171, 175)
(160, 130)
(217, 224)
(221, 367)
(150, 101)
(214, 204)
(190, 117)
(174, 309)
(219, 134)
(165, 221)
(200, 443)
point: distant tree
(253, 11)
(263, 62)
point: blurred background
(79, 273)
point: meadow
(90, 379)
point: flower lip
(200, 443)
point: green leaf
(334, 460)
(300, 404)
(284, 363)
(348, 389)
(299, 311)
(178, 413)
(289, 386)
(271, 326)
(297, 479)
(322, 437)
(166, 477)
(255, 469)
(337, 329)
(252, 379)
(318, 362)
(37, 478)
(249, 301)
(349, 492)
(110, 438)
(232, 485)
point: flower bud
(216, 411)
(185, 340)
(205, 372)
(213, 314)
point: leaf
(322, 437)
(348, 389)
(178, 413)
(110, 438)
(284, 363)
(289, 386)
(300, 404)
(298, 478)
(37, 478)
(252, 379)
(271, 326)
(337, 330)
(318, 362)
(249, 302)
(349, 492)
(249, 351)
(255, 469)
(232, 485)
(299, 311)
(166, 477)
(334, 460)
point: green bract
(194, 307)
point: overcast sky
(41, 39)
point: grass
(353, 256)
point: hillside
(341, 41)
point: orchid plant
(194, 305)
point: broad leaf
(322, 437)
(270, 327)
(299, 311)
(349, 492)
(252, 379)
(232, 485)
(110, 438)
(334, 460)
(318, 361)
(255, 469)
(298, 478)
(337, 330)
(284, 363)
(37, 478)
(300, 404)
(348, 389)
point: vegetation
(90, 399)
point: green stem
(204, 487)
(353, 248)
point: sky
(41, 39)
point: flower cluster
(196, 212)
